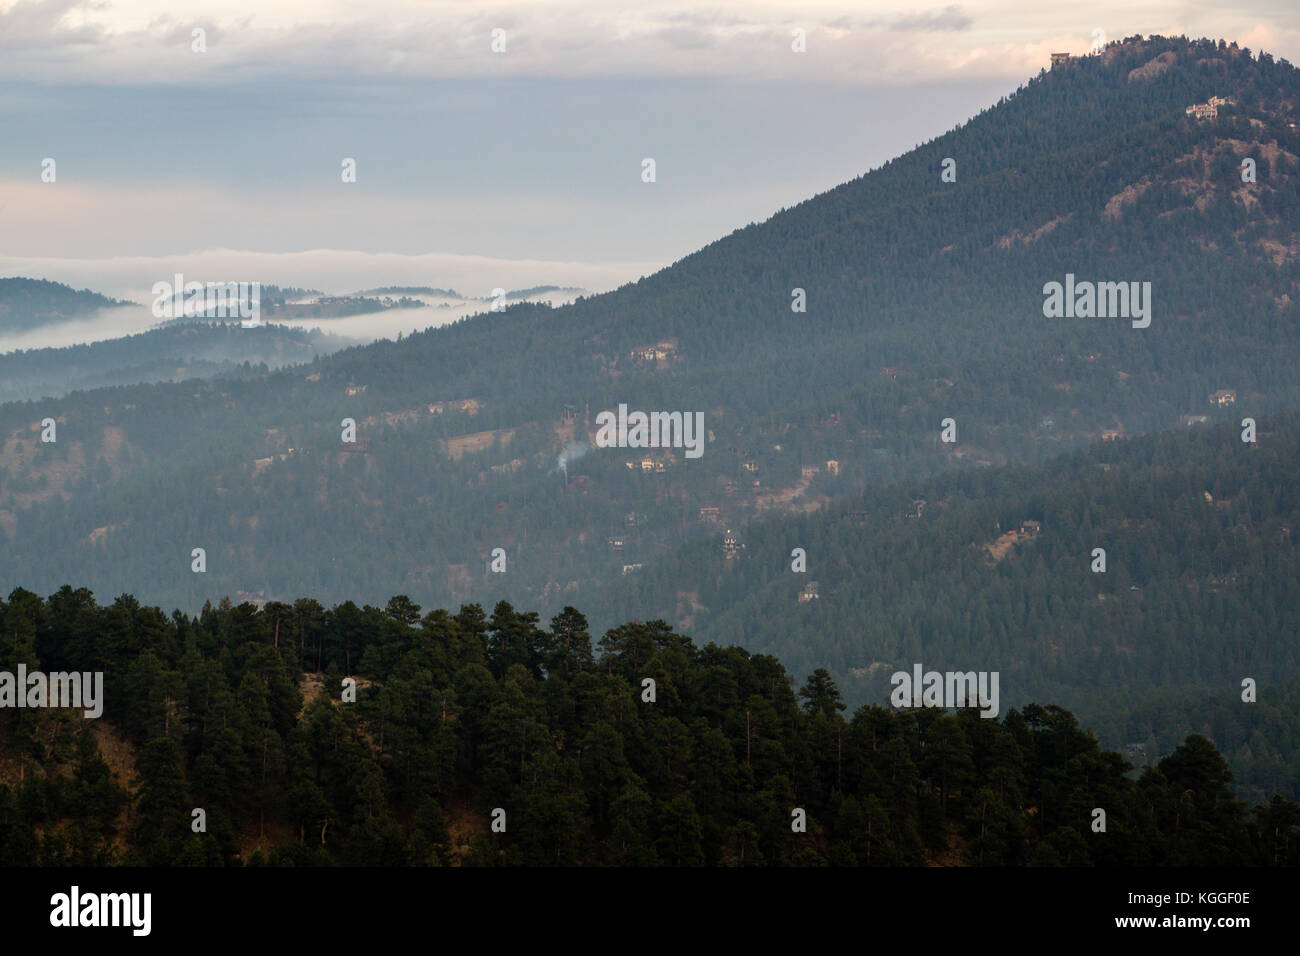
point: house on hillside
(809, 593)
(1110, 434)
(1060, 59)
(833, 467)
(1204, 111)
(1223, 397)
(661, 351)
(730, 546)
(1030, 528)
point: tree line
(241, 712)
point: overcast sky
(475, 168)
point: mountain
(924, 300)
(29, 303)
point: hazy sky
(476, 168)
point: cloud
(142, 41)
(47, 25)
(334, 271)
(849, 41)
(950, 18)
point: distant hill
(411, 290)
(30, 303)
(539, 290)
(168, 354)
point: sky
(479, 168)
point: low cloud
(103, 324)
(332, 271)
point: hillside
(995, 568)
(924, 300)
(483, 740)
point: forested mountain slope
(997, 569)
(464, 721)
(924, 301)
